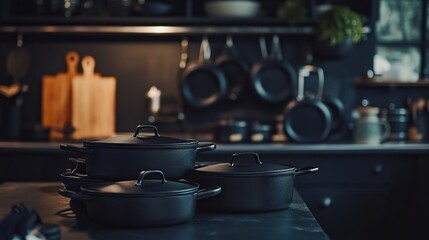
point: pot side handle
(72, 194)
(205, 146)
(306, 170)
(73, 148)
(208, 192)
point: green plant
(341, 23)
(293, 11)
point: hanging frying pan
(18, 61)
(273, 79)
(336, 107)
(308, 119)
(203, 84)
(235, 69)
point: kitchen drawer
(349, 170)
(349, 214)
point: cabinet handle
(378, 169)
(326, 202)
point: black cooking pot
(248, 187)
(145, 202)
(122, 157)
(74, 182)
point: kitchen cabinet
(359, 195)
(360, 191)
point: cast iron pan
(203, 84)
(273, 80)
(336, 107)
(235, 69)
(308, 120)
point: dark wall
(139, 62)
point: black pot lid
(143, 187)
(252, 167)
(142, 141)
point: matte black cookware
(145, 202)
(203, 84)
(234, 68)
(231, 131)
(248, 185)
(308, 119)
(336, 107)
(273, 79)
(74, 181)
(260, 132)
(123, 157)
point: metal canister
(398, 119)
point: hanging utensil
(235, 69)
(308, 119)
(17, 64)
(18, 60)
(203, 84)
(273, 79)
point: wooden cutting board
(56, 97)
(93, 103)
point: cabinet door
(349, 214)
(352, 170)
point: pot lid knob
(140, 127)
(235, 155)
(143, 174)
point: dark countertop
(274, 148)
(296, 222)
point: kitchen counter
(296, 222)
(272, 148)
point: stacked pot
(159, 195)
(139, 170)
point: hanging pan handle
(276, 49)
(254, 155)
(205, 51)
(263, 47)
(305, 72)
(140, 127)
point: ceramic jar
(369, 128)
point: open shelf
(377, 82)
(157, 30)
(156, 26)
